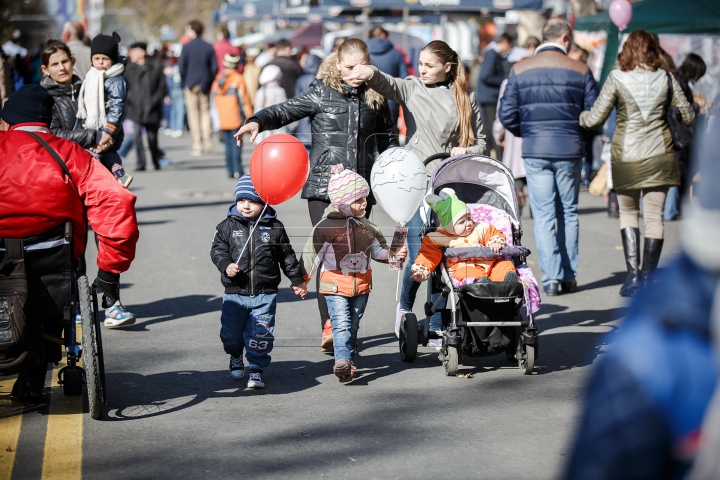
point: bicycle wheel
(90, 349)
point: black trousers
(155, 152)
(316, 208)
(487, 113)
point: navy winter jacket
(198, 65)
(491, 77)
(544, 97)
(650, 390)
(386, 58)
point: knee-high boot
(631, 248)
(651, 258)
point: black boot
(631, 243)
(613, 205)
(651, 258)
(29, 385)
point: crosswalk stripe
(10, 423)
(63, 442)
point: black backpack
(682, 134)
(19, 348)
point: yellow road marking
(10, 422)
(63, 441)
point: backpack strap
(53, 153)
(14, 248)
(670, 87)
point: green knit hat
(448, 207)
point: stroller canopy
(493, 182)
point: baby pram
(480, 319)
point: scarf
(91, 107)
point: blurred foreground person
(646, 402)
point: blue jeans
(247, 323)
(554, 186)
(409, 286)
(233, 153)
(671, 204)
(345, 315)
(177, 112)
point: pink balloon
(620, 13)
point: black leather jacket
(267, 253)
(64, 112)
(347, 125)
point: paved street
(174, 412)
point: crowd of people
(534, 108)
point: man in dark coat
(387, 59)
(198, 68)
(492, 74)
(290, 69)
(146, 91)
(542, 103)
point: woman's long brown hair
(459, 84)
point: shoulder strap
(15, 248)
(670, 85)
(53, 153)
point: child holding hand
(250, 248)
(458, 230)
(343, 242)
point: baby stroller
(479, 319)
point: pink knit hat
(346, 186)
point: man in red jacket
(36, 196)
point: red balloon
(279, 168)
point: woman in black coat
(348, 122)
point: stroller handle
(436, 156)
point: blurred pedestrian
(310, 64)
(642, 154)
(388, 60)
(542, 102)
(288, 66)
(351, 112)
(251, 73)
(646, 410)
(72, 35)
(233, 106)
(64, 86)
(173, 82)
(223, 46)
(270, 93)
(198, 69)
(692, 69)
(492, 74)
(146, 92)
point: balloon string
(397, 286)
(252, 230)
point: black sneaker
(237, 368)
(569, 287)
(551, 288)
(256, 380)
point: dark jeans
(113, 162)
(487, 113)
(155, 153)
(316, 208)
(233, 153)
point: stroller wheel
(450, 361)
(408, 337)
(527, 361)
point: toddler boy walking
(250, 248)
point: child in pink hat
(341, 245)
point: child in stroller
(458, 230)
(479, 280)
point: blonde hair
(353, 45)
(446, 54)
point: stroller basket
(491, 304)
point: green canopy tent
(655, 16)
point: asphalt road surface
(174, 412)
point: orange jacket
(431, 250)
(231, 99)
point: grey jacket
(642, 152)
(81, 52)
(430, 114)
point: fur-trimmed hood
(330, 76)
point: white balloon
(398, 180)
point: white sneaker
(398, 319)
(256, 380)
(237, 368)
(436, 343)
